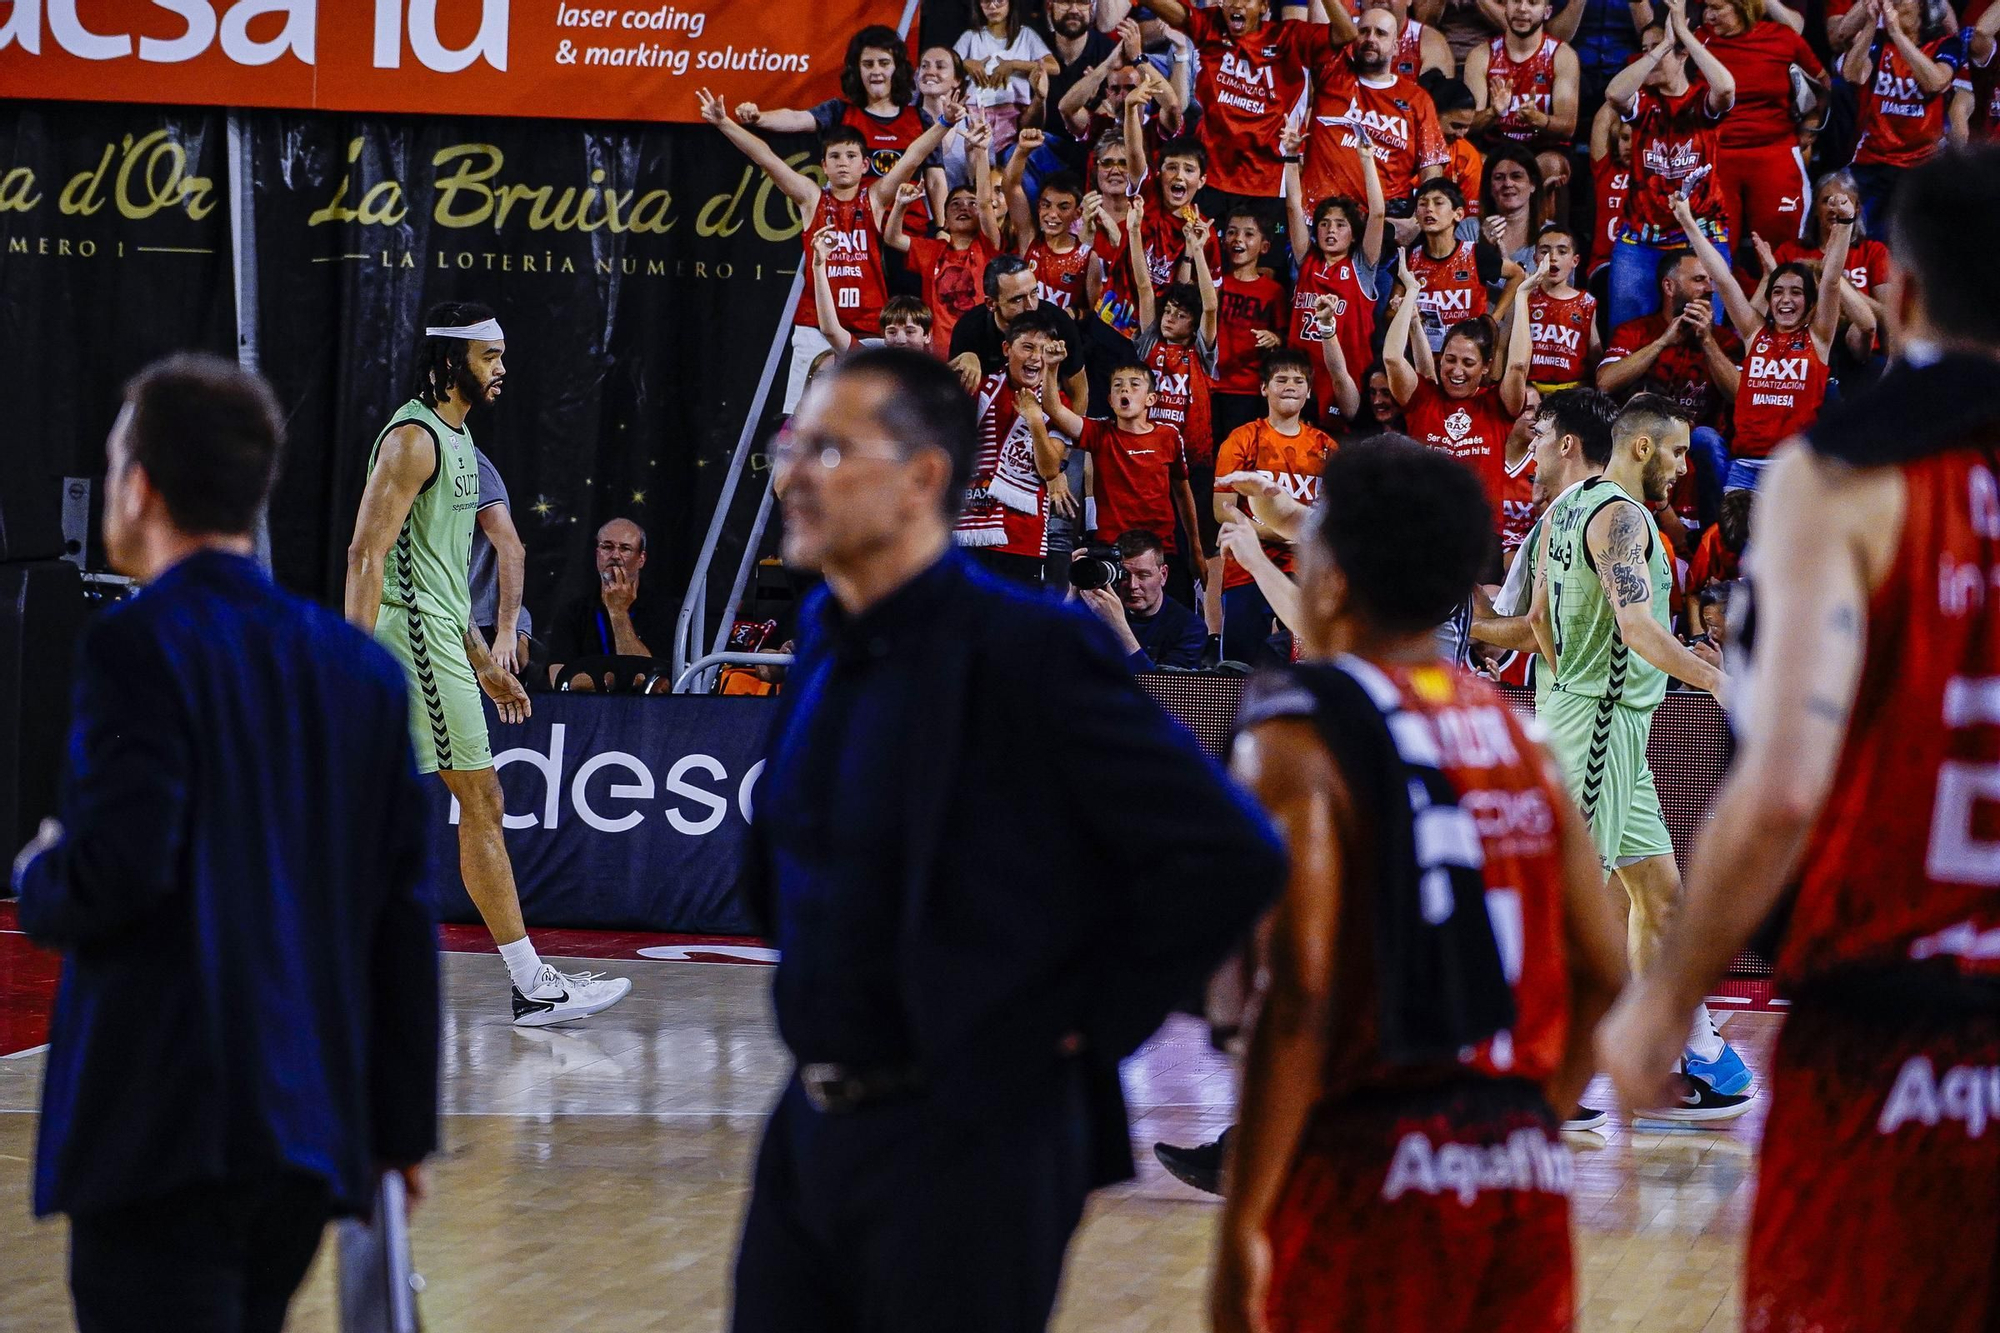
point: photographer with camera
(1126, 586)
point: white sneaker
(561, 997)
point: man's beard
(1063, 28)
(1370, 66)
(467, 383)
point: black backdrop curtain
(639, 270)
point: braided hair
(440, 362)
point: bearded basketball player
(408, 584)
(1866, 785)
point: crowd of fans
(1168, 243)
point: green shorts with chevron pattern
(447, 721)
(1601, 746)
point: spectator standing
(1250, 322)
(1253, 73)
(1075, 43)
(1678, 352)
(1605, 34)
(1835, 195)
(978, 340)
(1562, 319)
(1283, 447)
(1362, 106)
(616, 618)
(246, 1033)
(877, 96)
(999, 56)
(1159, 230)
(1674, 150)
(1524, 84)
(1904, 64)
(1420, 48)
(953, 266)
(497, 572)
(1610, 178)
(1154, 629)
(1051, 234)
(1452, 272)
(1338, 255)
(1140, 468)
(1788, 340)
(1464, 164)
(846, 205)
(1760, 170)
(1018, 479)
(1446, 401)
(941, 82)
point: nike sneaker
(1583, 1119)
(1726, 1073)
(1699, 1103)
(563, 997)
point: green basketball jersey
(1591, 658)
(427, 565)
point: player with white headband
(407, 583)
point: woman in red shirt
(1903, 65)
(1674, 150)
(1446, 400)
(1761, 173)
(1782, 381)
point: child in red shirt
(1139, 468)
(1250, 320)
(952, 267)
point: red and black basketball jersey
(1904, 861)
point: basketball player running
(1426, 1007)
(1864, 782)
(1600, 615)
(407, 583)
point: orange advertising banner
(581, 59)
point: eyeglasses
(829, 451)
(618, 548)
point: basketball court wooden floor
(594, 1175)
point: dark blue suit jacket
(241, 890)
(1077, 864)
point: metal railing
(712, 662)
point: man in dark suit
(247, 1027)
(971, 939)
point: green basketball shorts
(1601, 746)
(447, 721)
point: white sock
(1704, 1042)
(524, 965)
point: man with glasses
(978, 340)
(614, 619)
(966, 950)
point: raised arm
(1622, 93)
(979, 151)
(1832, 275)
(1933, 76)
(1020, 213)
(1396, 342)
(778, 120)
(1618, 538)
(1857, 63)
(796, 186)
(1721, 83)
(1346, 393)
(1296, 221)
(1076, 102)
(1196, 232)
(884, 190)
(1741, 312)
(824, 309)
(404, 465)
(1143, 296)
(1172, 13)
(1520, 351)
(1377, 222)
(893, 234)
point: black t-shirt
(1170, 637)
(977, 332)
(1096, 47)
(583, 628)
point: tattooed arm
(1619, 536)
(1825, 537)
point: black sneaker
(1699, 1103)
(1584, 1118)
(1199, 1167)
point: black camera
(1097, 567)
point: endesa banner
(583, 60)
(622, 813)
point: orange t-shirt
(1293, 461)
(1462, 167)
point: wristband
(1291, 157)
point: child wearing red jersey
(1447, 403)
(1139, 468)
(1283, 447)
(1053, 233)
(852, 212)
(1339, 255)
(952, 267)
(1017, 480)
(1452, 271)
(1178, 344)
(1253, 72)
(1399, 1090)
(1904, 68)
(1674, 149)
(1157, 228)
(1250, 320)
(1562, 320)
(1782, 381)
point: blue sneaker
(1726, 1073)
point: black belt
(838, 1089)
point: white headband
(486, 330)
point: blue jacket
(1076, 863)
(250, 980)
